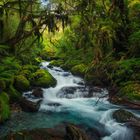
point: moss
(79, 69)
(131, 91)
(42, 78)
(57, 63)
(4, 107)
(21, 83)
(25, 73)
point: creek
(71, 102)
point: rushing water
(69, 102)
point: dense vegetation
(101, 43)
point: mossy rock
(25, 73)
(57, 63)
(2, 85)
(21, 83)
(4, 107)
(123, 116)
(130, 90)
(79, 69)
(42, 78)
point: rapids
(69, 102)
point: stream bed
(71, 102)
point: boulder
(36, 134)
(60, 132)
(38, 92)
(75, 133)
(130, 119)
(54, 104)
(124, 116)
(71, 92)
(30, 105)
(21, 83)
(42, 78)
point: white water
(98, 115)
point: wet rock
(49, 66)
(72, 92)
(75, 133)
(38, 92)
(130, 119)
(54, 104)
(124, 116)
(60, 132)
(94, 134)
(66, 74)
(95, 89)
(37, 134)
(30, 105)
(79, 82)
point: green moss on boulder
(25, 73)
(4, 107)
(42, 78)
(79, 69)
(21, 83)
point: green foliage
(13, 94)
(29, 67)
(134, 41)
(4, 107)
(79, 69)
(57, 63)
(42, 78)
(130, 91)
(2, 84)
(4, 50)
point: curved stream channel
(69, 102)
